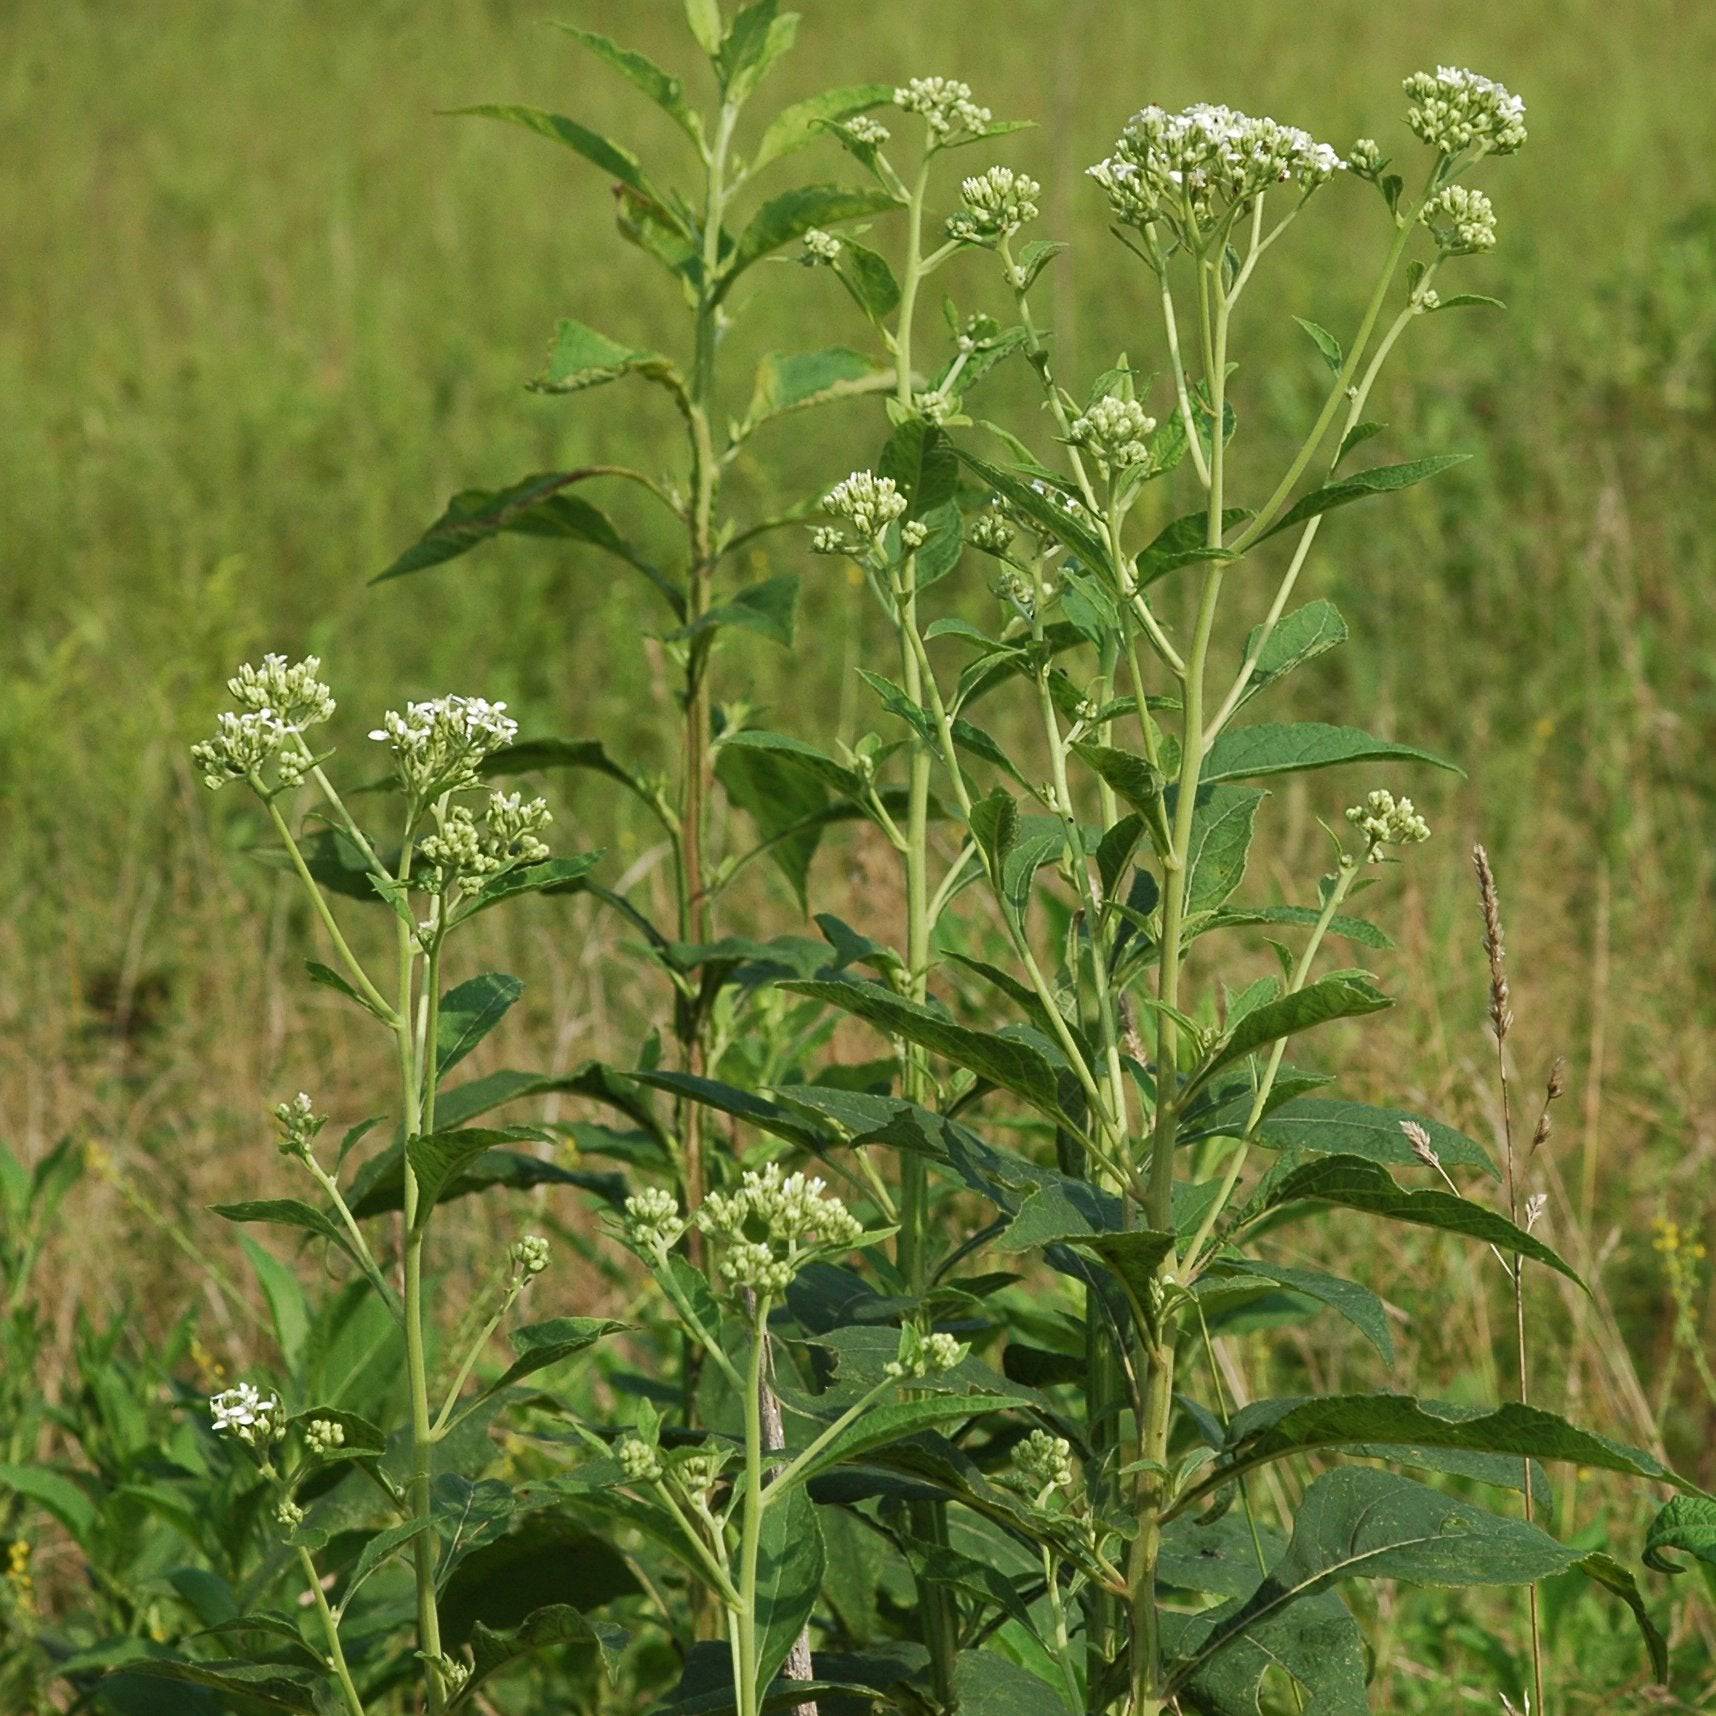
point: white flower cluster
(1203, 161)
(277, 701)
(299, 1124)
(871, 132)
(1454, 109)
(1463, 221)
(820, 247)
(653, 1222)
(868, 503)
(1116, 430)
(324, 1436)
(439, 745)
(640, 1462)
(528, 1257)
(775, 1224)
(1043, 1463)
(1385, 820)
(922, 1355)
(465, 853)
(997, 203)
(247, 1413)
(946, 105)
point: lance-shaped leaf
(1297, 637)
(797, 381)
(1272, 1429)
(1364, 1524)
(1244, 753)
(550, 1627)
(790, 216)
(256, 1685)
(1384, 479)
(1315, 1640)
(1333, 1127)
(767, 608)
(616, 161)
(581, 357)
(790, 1562)
(285, 1212)
(540, 1345)
(921, 460)
(1185, 542)
(362, 1440)
(469, 1012)
(439, 1158)
(1005, 1061)
(1354, 929)
(1353, 1183)
(747, 1105)
(1361, 1307)
(1688, 1525)
(64, 1497)
(817, 764)
(551, 876)
(665, 90)
(883, 1425)
(986, 1681)
(1130, 776)
(795, 126)
(1605, 1571)
(1221, 839)
(1045, 507)
(1340, 996)
(787, 800)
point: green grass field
(262, 311)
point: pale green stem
(469, 1362)
(751, 1518)
(331, 1632)
(787, 1476)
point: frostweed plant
(944, 1326)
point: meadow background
(262, 311)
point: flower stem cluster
(1452, 110)
(946, 106)
(249, 1415)
(277, 701)
(463, 853)
(438, 746)
(1385, 821)
(774, 1225)
(1462, 220)
(528, 1257)
(996, 204)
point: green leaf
(1353, 1183)
(1005, 1061)
(666, 91)
(1298, 637)
(59, 1495)
(867, 276)
(284, 1212)
(790, 1562)
(1383, 479)
(816, 764)
(1185, 542)
(1606, 1571)
(784, 797)
(1334, 997)
(286, 1302)
(1221, 838)
(1354, 929)
(921, 459)
(1065, 527)
(581, 357)
(1687, 1524)
(755, 39)
(1315, 1640)
(1357, 436)
(799, 124)
(331, 979)
(797, 381)
(1334, 1127)
(1364, 1524)
(1325, 342)
(1361, 1307)
(440, 1158)
(704, 17)
(509, 1575)
(363, 1440)
(468, 1013)
(790, 216)
(1468, 300)
(889, 1423)
(540, 1345)
(766, 608)
(1244, 753)
(1130, 776)
(551, 876)
(553, 1625)
(985, 1683)
(270, 1685)
(616, 162)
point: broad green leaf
(986, 1682)
(1687, 1524)
(551, 876)
(1185, 542)
(1130, 776)
(540, 1345)
(1315, 1640)
(1618, 1581)
(1334, 997)
(921, 459)
(887, 1424)
(284, 1212)
(581, 357)
(1046, 508)
(799, 124)
(666, 91)
(328, 978)
(796, 381)
(1296, 638)
(747, 1105)
(790, 1563)
(1005, 1061)
(287, 1306)
(614, 160)
(272, 1686)
(440, 1158)
(1272, 1429)
(1363, 1524)
(866, 275)
(1356, 1184)
(363, 1441)
(63, 1497)
(704, 17)
(530, 755)
(510, 1574)
(757, 37)
(468, 1013)
(790, 216)
(785, 798)
(378, 1550)
(1221, 838)
(1244, 753)
(1361, 1307)
(817, 764)
(766, 608)
(1325, 342)
(1354, 929)
(1331, 1126)
(553, 1626)
(1384, 479)
(995, 827)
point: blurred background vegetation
(262, 311)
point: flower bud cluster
(277, 701)
(775, 1224)
(922, 1355)
(439, 745)
(698, 1474)
(1191, 167)
(324, 1436)
(990, 531)
(1454, 109)
(1385, 820)
(820, 247)
(464, 853)
(997, 203)
(871, 132)
(528, 1257)
(868, 503)
(1365, 158)
(288, 1514)
(1116, 430)
(1463, 221)
(246, 1413)
(640, 1462)
(1043, 1463)
(299, 1124)
(652, 1221)
(946, 106)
